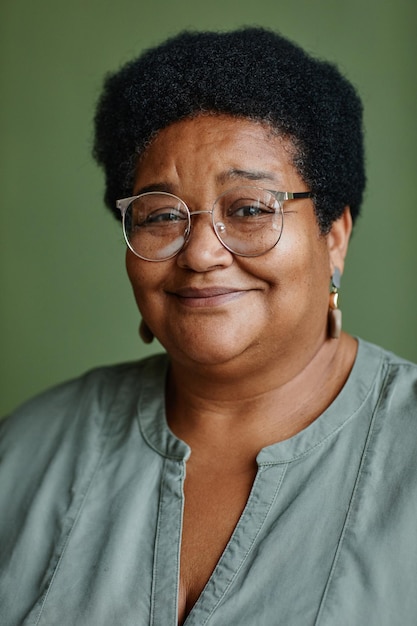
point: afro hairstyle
(251, 73)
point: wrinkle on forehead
(225, 149)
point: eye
(249, 209)
(163, 216)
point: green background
(66, 305)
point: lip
(208, 296)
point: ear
(338, 240)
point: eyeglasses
(248, 221)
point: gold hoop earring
(145, 332)
(335, 314)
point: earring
(335, 314)
(145, 333)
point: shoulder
(90, 402)
(395, 379)
(65, 448)
(390, 447)
(52, 445)
(382, 389)
(379, 541)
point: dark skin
(247, 337)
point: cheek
(132, 268)
(147, 280)
(297, 270)
(292, 259)
(138, 275)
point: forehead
(217, 146)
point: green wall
(65, 302)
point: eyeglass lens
(247, 221)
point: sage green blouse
(91, 501)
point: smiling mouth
(211, 296)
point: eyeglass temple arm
(288, 195)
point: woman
(263, 472)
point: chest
(118, 557)
(213, 504)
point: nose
(203, 251)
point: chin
(207, 353)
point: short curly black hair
(251, 73)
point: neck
(258, 407)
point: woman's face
(206, 305)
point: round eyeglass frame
(280, 196)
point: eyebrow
(155, 187)
(253, 175)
